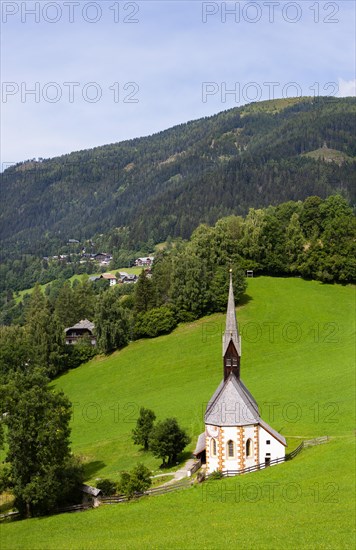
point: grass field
(329, 155)
(306, 503)
(298, 362)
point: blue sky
(107, 71)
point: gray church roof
(232, 405)
(231, 330)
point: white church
(235, 435)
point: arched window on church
(230, 449)
(213, 447)
(249, 448)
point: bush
(137, 481)
(156, 321)
(107, 487)
(216, 475)
(79, 353)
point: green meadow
(306, 503)
(298, 362)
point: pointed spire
(231, 330)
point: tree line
(313, 239)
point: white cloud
(347, 88)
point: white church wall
(212, 460)
(252, 459)
(231, 433)
(270, 447)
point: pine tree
(144, 293)
(65, 306)
(84, 300)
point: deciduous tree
(167, 440)
(136, 481)
(111, 323)
(42, 469)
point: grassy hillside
(302, 375)
(306, 503)
(329, 155)
(302, 363)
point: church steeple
(231, 338)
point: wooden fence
(114, 499)
(194, 468)
(296, 452)
(263, 465)
(316, 441)
(255, 468)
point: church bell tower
(231, 338)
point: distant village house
(144, 262)
(109, 277)
(113, 280)
(102, 258)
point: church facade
(235, 435)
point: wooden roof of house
(93, 491)
(200, 446)
(84, 324)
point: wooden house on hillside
(82, 329)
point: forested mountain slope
(168, 183)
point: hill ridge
(194, 172)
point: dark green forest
(166, 184)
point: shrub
(107, 486)
(137, 481)
(156, 321)
(217, 474)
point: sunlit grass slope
(297, 360)
(306, 503)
